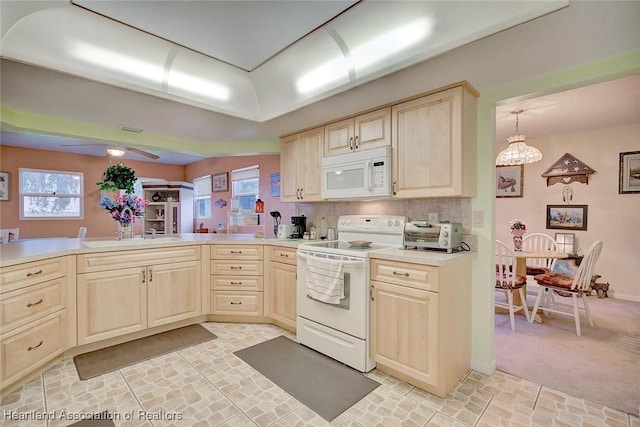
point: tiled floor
(206, 385)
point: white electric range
(340, 328)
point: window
(202, 196)
(46, 194)
(245, 187)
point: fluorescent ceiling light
(198, 86)
(365, 55)
(390, 43)
(118, 62)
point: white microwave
(364, 174)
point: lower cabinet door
(282, 304)
(111, 303)
(32, 345)
(174, 292)
(404, 330)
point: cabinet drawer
(248, 283)
(103, 261)
(236, 267)
(25, 305)
(31, 346)
(282, 254)
(413, 275)
(236, 252)
(19, 276)
(238, 303)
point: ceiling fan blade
(87, 144)
(143, 153)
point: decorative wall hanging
(4, 185)
(274, 184)
(565, 217)
(509, 181)
(567, 194)
(566, 170)
(220, 182)
(220, 203)
(629, 172)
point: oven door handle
(349, 263)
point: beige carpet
(603, 365)
(109, 359)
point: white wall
(613, 218)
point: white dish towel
(325, 281)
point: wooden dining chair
(538, 242)
(507, 281)
(576, 286)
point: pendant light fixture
(115, 151)
(518, 152)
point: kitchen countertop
(27, 250)
(425, 257)
(38, 249)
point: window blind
(250, 172)
(202, 186)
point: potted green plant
(118, 177)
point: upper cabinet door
(310, 165)
(369, 130)
(289, 186)
(300, 166)
(434, 145)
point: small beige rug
(95, 363)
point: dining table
(521, 270)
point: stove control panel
(372, 223)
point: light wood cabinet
(237, 280)
(369, 130)
(150, 288)
(434, 145)
(33, 316)
(26, 348)
(281, 286)
(421, 322)
(300, 166)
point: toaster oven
(422, 234)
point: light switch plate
(432, 217)
(478, 219)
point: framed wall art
(629, 172)
(509, 181)
(567, 217)
(4, 185)
(274, 184)
(220, 182)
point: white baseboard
(483, 367)
(613, 294)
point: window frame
(22, 195)
(197, 197)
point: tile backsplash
(453, 210)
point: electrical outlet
(432, 217)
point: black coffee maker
(299, 226)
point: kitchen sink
(129, 242)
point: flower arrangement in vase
(518, 228)
(125, 209)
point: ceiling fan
(115, 151)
